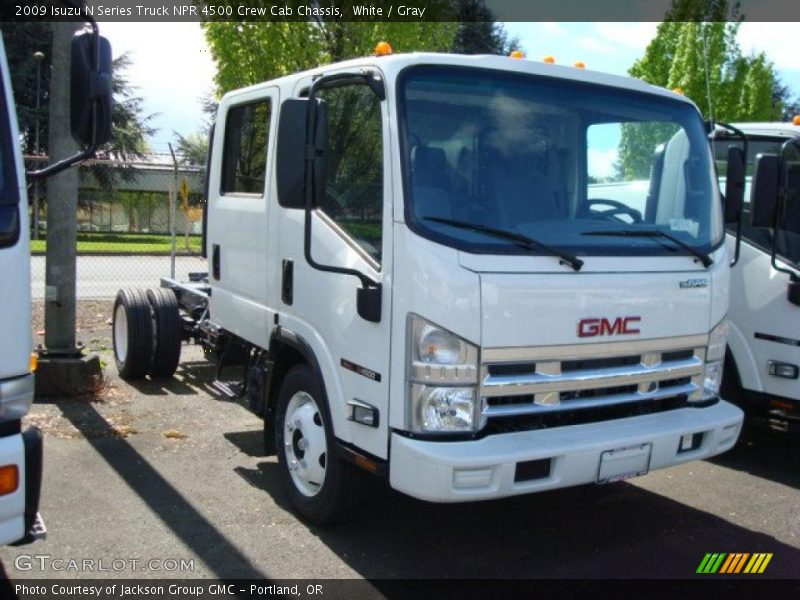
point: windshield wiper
(521, 240)
(656, 233)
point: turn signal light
(34, 364)
(518, 54)
(549, 59)
(678, 91)
(579, 64)
(9, 479)
(796, 120)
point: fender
(283, 337)
(280, 339)
(743, 358)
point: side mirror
(90, 93)
(764, 192)
(292, 151)
(734, 184)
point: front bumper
(483, 469)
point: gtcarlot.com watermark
(48, 562)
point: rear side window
(244, 156)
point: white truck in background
(762, 371)
(21, 451)
(412, 272)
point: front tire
(316, 480)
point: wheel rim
(305, 444)
(120, 333)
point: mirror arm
(782, 194)
(741, 135)
(311, 154)
(98, 84)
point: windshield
(555, 161)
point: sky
(172, 67)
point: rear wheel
(316, 480)
(132, 333)
(166, 332)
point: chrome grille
(528, 381)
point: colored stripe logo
(734, 563)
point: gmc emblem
(619, 326)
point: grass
(126, 243)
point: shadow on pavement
(192, 378)
(177, 513)
(765, 453)
(616, 531)
(250, 442)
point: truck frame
(417, 269)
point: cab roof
(391, 66)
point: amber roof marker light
(383, 49)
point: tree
(726, 85)
(251, 52)
(782, 95)
(477, 31)
(130, 127)
(22, 40)
(193, 148)
(129, 132)
(741, 87)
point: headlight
(442, 379)
(443, 408)
(715, 355)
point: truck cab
(763, 358)
(475, 276)
(20, 452)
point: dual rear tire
(146, 333)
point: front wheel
(316, 480)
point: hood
(536, 309)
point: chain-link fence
(127, 212)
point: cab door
(237, 247)
(351, 228)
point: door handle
(215, 266)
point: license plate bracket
(623, 463)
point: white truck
(21, 451)
(763, 359)
(412, 271)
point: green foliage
(477, 31)
(129, 132)
(192, 148)
(22, 40)
(249, 53)
(742, 88)
(130, 126)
